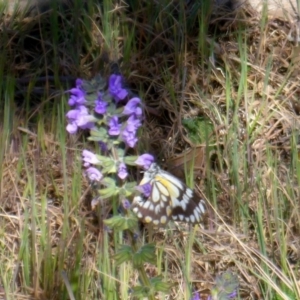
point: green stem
(144, 278)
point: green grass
(54, 246)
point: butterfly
(169, 199)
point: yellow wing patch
(173, 191)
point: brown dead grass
(164, 135)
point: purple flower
(72, 128)
(130, 131)
(126, 204)
(77, 94)
(74, 113)
(232, 295)
(86, 121)
(122, 171)
(129, 136)
(134, 122)
(145, 160)
(93, 174)
(116, 89)
(133, 107)
(196, 296)
(78, 83)
(79, 118)
(90, 158)
(114, 126)
(100, 105)
(145, 189)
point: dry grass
(245, 85)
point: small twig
(32, 134)
(68, 285)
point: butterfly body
(169, 199)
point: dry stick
(67, 284)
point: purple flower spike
(116, 89)
(89, 158)
(114, 126)
(133, 107)
(145, 161)
(100, 105)
(122, 171)
(93, 174)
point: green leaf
(129, 160)
(130, 185)
(98, 135)
(109, 182)
(95, 85)
(128, 189)
(124, 254)
(108, 98)
(91, 97)
(111, 189)
(95, 139)
(120, 152)
(145, 254)
(121, 223)
(104, 159)
(159, 285)
(112, 110)
(198, 129)
(141, 291)
(108, 192)
(226, 284)
(109, 166)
